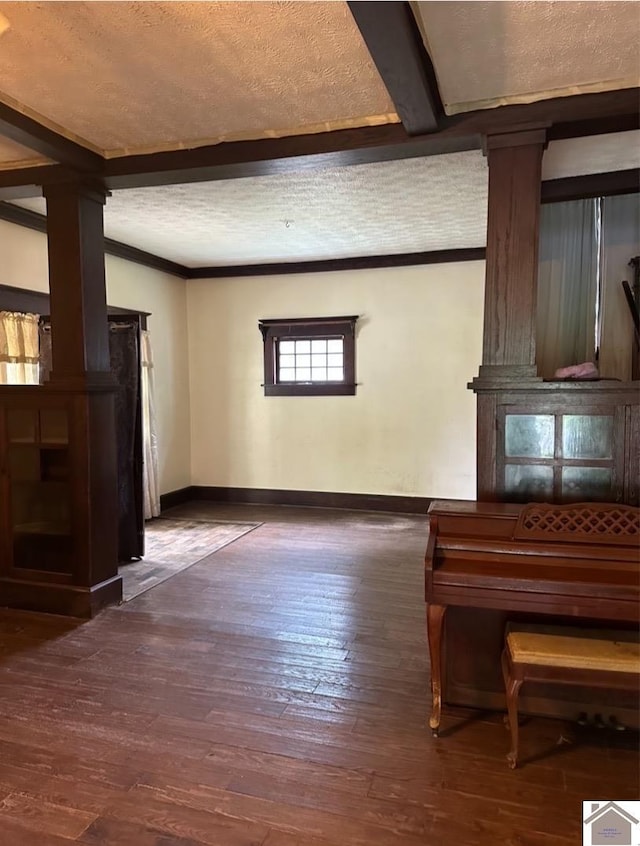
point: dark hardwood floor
(275, 694)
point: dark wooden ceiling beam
(28, 132)
(39, 175)
(393, 39)
(584, 114)
(268, 156)
(591, 185)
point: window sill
(309, 390)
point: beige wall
(410, 429)
(23, 263)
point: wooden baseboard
(179, 497)
(316, 499)
(67, 600)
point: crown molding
(327, 265)
(38, 222)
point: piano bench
(535, 656)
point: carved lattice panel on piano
(607, 523)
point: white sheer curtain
(621, 242)
(567, 285)
(18, 348)
(150, 481)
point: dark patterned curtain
(125, 365)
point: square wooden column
(509, 340)
(82, 372)
(75, 234)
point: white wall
(23, 263)
(409, 430)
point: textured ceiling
(134, 77)
(393, 207)
(593, 154)
(413, 205)
(489, 54)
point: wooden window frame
(303, 328)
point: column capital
(517, 136)
(79, 185)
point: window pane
(287, 347)
(334, 345)
(319, 346)
(287, 374)
(587, 436)
(319, 374)
(529, 435)
(287, 361)
(528, 482)
(335, 374)
(318, 360)
(303, 374)
(303, 360)
(334, 360)
(54, 426)
(586, 483)
(303, 346)
(21, 425)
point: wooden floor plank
(275, 694)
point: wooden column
(509, 338)
(515, 162)
(77, 283)
(82, 370)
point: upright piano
(579, 561)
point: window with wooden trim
(309, 356)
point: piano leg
(435, 623)
(512, 686)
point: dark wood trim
(37, 302)
(269, 156)
(38, 222)
(28, 132)
(393, 39)
(324, 389)
(315, 499)
(178, 497)
(34, 177)
(602, 125)
(23, 217)
(566, 117)
(24, 300)
(302, 328)
(591, 185)
(326, 265)
(583, 114)
(137, 256)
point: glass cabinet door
(37, 451)
(558, 457)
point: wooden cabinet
(558, 442)
(36, 492)
(55, 552)
(39, 494)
